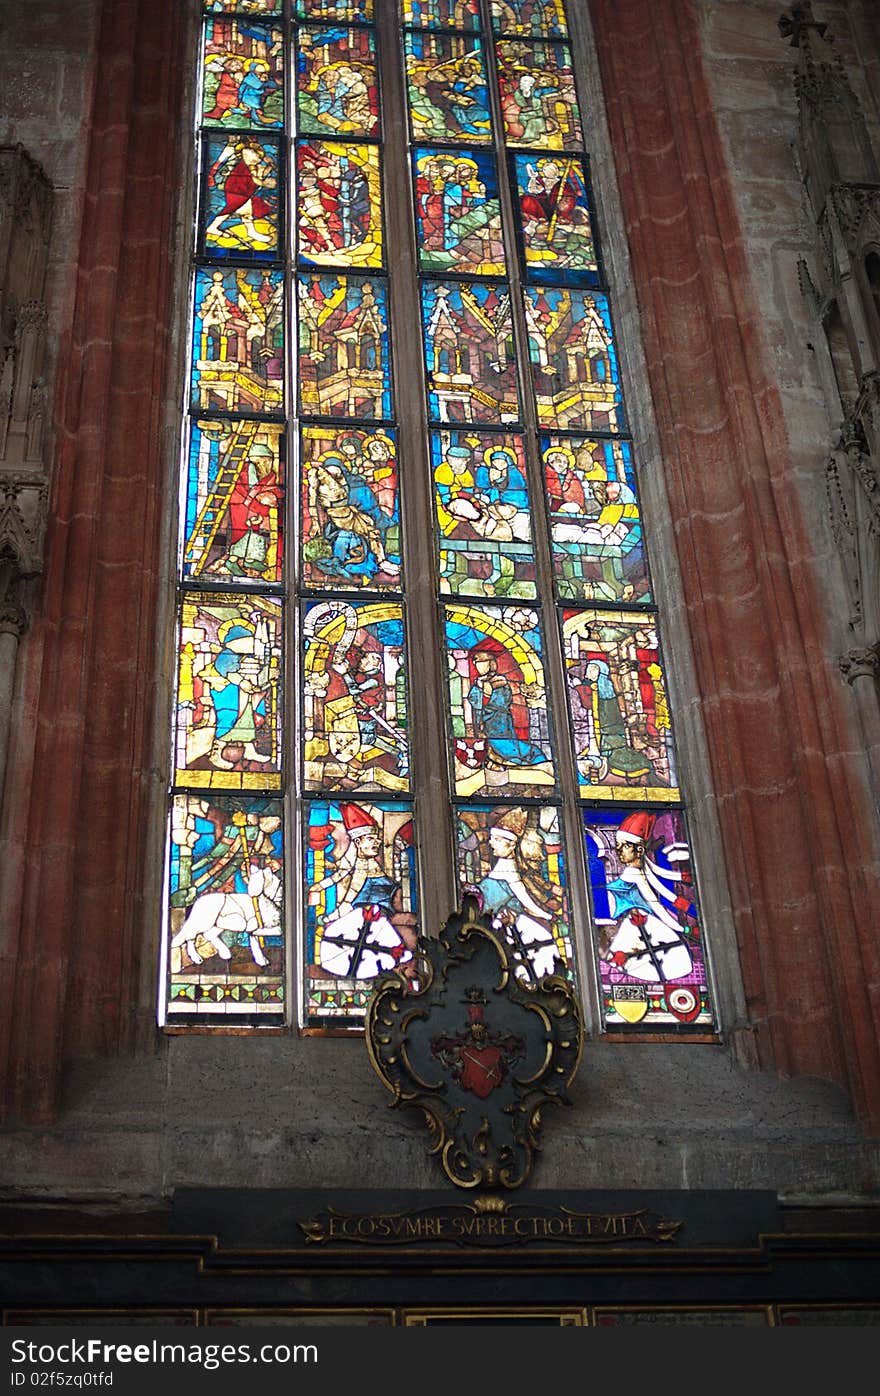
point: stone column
(81, 930)
(796, 820)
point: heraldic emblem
(477, 1049)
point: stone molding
(23, 503)
(861, 663)
(26, 199)
(845, 227)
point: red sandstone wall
(796, 822)
(47, 74)
(78, 820)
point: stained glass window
(407, 453)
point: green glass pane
(540, 19)
(447, 88)
(538, 99)
(242, 81)
(457, 212)
(337, 89)
(595, 524)
(619, 706)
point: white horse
(256, 912)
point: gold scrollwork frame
(481, 1158)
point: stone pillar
(796, 821)
(79, 933)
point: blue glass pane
(241, 216)
(344, 364)
(457, 211)
(499, 724)
(233, 519)
(555, 221)
(598, 548)
(238, 340)
(447, 88)
(646, 921)
(469, 352)
(481, 505)
(574, 361)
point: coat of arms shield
(478, 1050)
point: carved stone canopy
(25, 224)
(476, 1050)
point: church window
(418, 646)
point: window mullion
(554, 664)
(427, 674)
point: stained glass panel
(447, 87)
(442, 14)
(457, 211)
(362, 904)
(554, 217)
(511, 857)
(354, 709)
(226, 940)
(351, 11)
(234, 501)
(541, 19)
(470, 354)
(241, 215)
(498, 702)
(619, 706)
(338, 205)
(228, 732)
(337, 89)
(350, 510)
(648, 938)
(247, 7)
(538, 99)
(238, 341)
(482, 510)
(574, 361)
(225, 958)
(242, 82)
(598, 549)
(344, 366)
